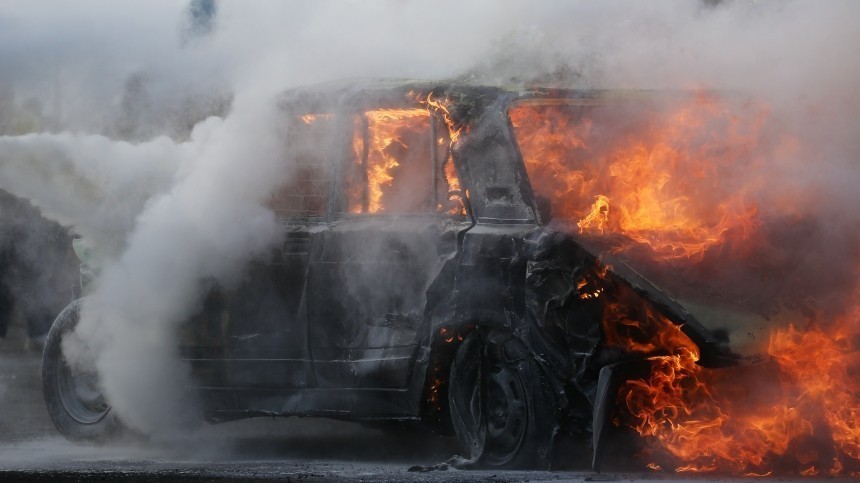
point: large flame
(665, 177)
(800, 413)
(389, 134)
(386, 131)
(672, 179)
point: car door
(268, 331)
(370, 271)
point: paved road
(261, 449)
(306, 449)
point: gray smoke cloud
(94, 183)
(155, 132)
(205, 228)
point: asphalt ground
(262, 449)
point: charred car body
(420, 278)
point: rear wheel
(500, 412)
(73, 397)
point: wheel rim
(492, 410)
(507, 414)
(80, 395)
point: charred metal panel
(267, 332)
(607, 437)
(348, 319)
(352, 404)
(714, 352)
(367, 292)
(568, 284)
(490, 273)
(494, 171)
(256, 335)
(365, 368)
(555, 305)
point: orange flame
(311, 118)
(389, 134)
(672, 181)
(355, 194)
(455, 197)
(664, 169)
(455, 193)
(437, 105)
(746, 425)
(597, 218)
(386, 128)
(639, 328)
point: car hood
(718, 322)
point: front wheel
(500, 411)
(73, 397)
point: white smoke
(95, 184)
(178, 213)
(205, 228)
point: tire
(73, 399)
(500, 411)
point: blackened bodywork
(361, 315)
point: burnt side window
(400, 164)
(311, 153)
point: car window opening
(628, 168)
(402, 165)
(310, 154)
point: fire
(823, 366)
(630, 324)
(311, 118)
(670, 174)
(386, 129)
(449, 337)
(801, 413)
(597, 218)
(441, 106)
(449, 340)
(355, 188)
(455, 193)
(670, 178)
(386, 138)
(455, 198)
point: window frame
(291, 162)
(340, 209)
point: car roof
(364, 93)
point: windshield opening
(655, 172)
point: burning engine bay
(517, 266)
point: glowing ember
(311, 118)
(448, 336)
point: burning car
(492, 262)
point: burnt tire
(72, 396)
(501, 413)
